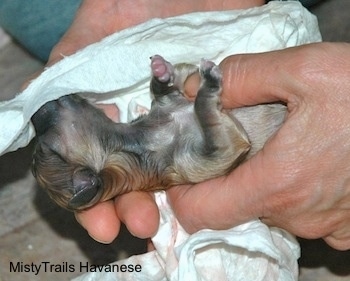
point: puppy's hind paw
(162, 70)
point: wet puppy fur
(82, 157)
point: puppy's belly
(260, 122)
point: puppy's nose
(87, 185)
(49, 114)
(46, 117)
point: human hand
(300, 181)
(94, 21)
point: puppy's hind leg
(225, 141)
(162, 83)
(168, 79)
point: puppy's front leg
(224, 140)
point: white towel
(120, 63)
(249, 252)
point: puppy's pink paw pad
(161, 69)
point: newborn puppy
(82, 157)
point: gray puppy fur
(82, 157)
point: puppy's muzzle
(73, 186)
(49, 114)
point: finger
(100, 221)
(251, 79)
(150, 245)
(111, 111)
(341, 244)
(191, 86)
(339, 237)
(139, 212)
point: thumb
(251, 79)
(220, 203)
(253, 188)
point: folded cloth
(249, 252)
(117, 70)
(120, 62)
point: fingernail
(98, 240)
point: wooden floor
(32, 229)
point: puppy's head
(72, 150)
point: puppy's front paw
(210, 73)
(162, 70)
